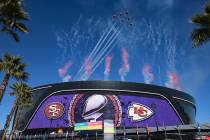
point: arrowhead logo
(139, 112)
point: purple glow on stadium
(161, 112)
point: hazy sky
(65, 32)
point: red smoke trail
(125, 58)
(107, 67)
(125, 67)
(88, 68)
(173, 81)
(147, 73)
(62, 71)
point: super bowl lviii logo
(54, 110)
(139, 112)
(95, 107)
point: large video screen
(62, 111)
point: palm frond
(21, 27)
(20, 76)
(207, 9)
(201, 20)
(12, 14)
(1, 65)
(22, 92)
(13, 34)
(202, 33)
(7, 57)
(21, 67)
(200, 36)
(17, 60)
(13, 66)
(12, 93)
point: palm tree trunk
(4, 85)
(15, 123)
(9, 118)
(13, 130)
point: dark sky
(66, 31)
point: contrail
(106, 46)
(103, 49)
(96, 66)
(97, 47)
(101, 57)
(100, 61)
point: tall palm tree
(201, 34)
(13, 68)
(12, 15)
(22, 93)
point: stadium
(108, 110)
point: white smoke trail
(102, 58)
(105, 50)
(95, 50)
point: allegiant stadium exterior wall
(127, 104)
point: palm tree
(22, 93)
(12, 15)
(201, 34)
(13, 68)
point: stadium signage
(88, 126)
(124, 110)
(54, 110)
(139, 112)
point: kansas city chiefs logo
(54, 110)
(139, 112)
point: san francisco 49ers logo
(139, 112)
(54, 110)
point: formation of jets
(123, 17)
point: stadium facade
(63, 106)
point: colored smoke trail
(62, 71)
(66, 78)
(147, 73)
(88, 69)
(173, 81)
(98, 54)
(107, 67)
(153, 41)
(94, 51)
(125, 68)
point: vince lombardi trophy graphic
(93, 105)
